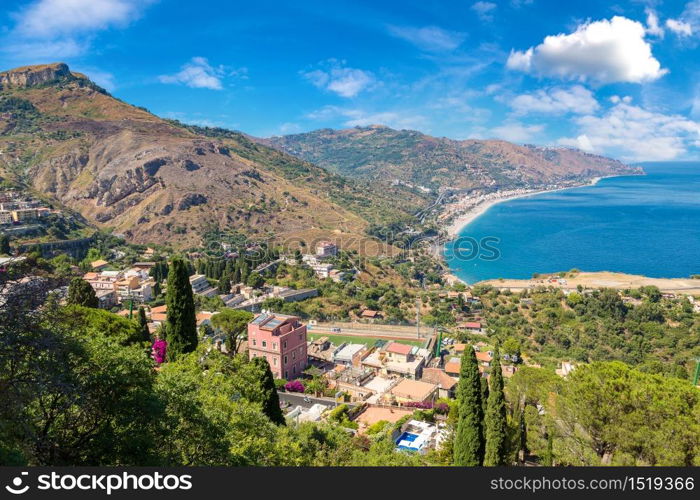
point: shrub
(294, 386)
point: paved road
(296, 399)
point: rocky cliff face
(31, 76)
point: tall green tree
(234, 323)
(4, 244)
(182, 322)
(270, 399)
(80, 293)
(495, 423)
(143, 325)
(469, 438)
(225, 284)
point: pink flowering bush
(158, 350)
(294, 386)
(422, 405)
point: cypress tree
(271, 401)
(143, 323)
(182, 322)
(484, 394)
(495, 422)
(80, 293)
(5, 244)
(469, 438)
(225, 284)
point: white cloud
(602, 51)
(63, 28)
(680, 28)
(653, 27)
(197, 73)
(353, 117)
(429, 38)
(337, 78)
(576, 99)
(484, 10)
(50, 18)
(635, 134)
(517, 132)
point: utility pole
(697, 371)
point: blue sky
(619, 79)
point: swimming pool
(409, 441)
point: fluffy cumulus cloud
(335, 77)
(556, 100)
(429, 38)
(635, 134)
(485, 10)
(601, 51)
(517, 132)
(198, 74)
(64, 28)
(688, 22)
(653, 26)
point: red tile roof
(397, 348)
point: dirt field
(604, 280)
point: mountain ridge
(439, 162)
(154, 180)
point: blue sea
(647, 225)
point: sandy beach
(481, 207)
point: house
(280, 339)
(5, 217)
(566, 368)
(413, 391)
(446, 384)
(326, 249)
(471, 326)
(370, 314)
(484, 358)
(398, 352)
(106, 299)
(452, 367)
(349, 354)
(204, 318)
(395, 359)
(144, 265)
(98, 265)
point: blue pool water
(647, 225)
(408, 437)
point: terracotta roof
(460, 347)
(452, 366)
(159, 309)
(439, 377)
(470, 324)
(159, 317)
(90, 276)
(483, 356)
(414, 390)
(397, 348)
(368, 313)
(98, 263)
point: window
(274, 345)
(284, 344)
(286, 374)
(285, 360)
(254, 342)
(274, 361)
(294, 355)
(264, 343)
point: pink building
(282, 340)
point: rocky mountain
(154, 180)
(378, 152)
